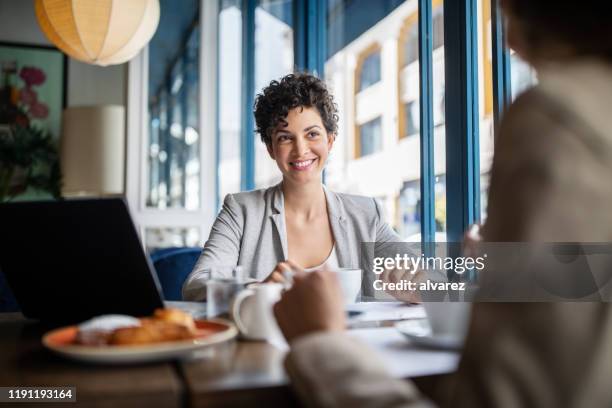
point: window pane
(373, 155)
(411, 117)
(409, 123)
(273, 59)
(371, 137)
(439, 119)
(174, 130)
(411, 44)
(438, 25)
(522, 77)
(160, 237)
(370, 71)
(230, 96)
(485, 96)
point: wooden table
(236, 373)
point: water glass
(224, 284)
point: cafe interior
(125, 125)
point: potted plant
(29, 159)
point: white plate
(61, 341)
(419, 333)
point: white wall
(87, 84)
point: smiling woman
(298, 224)
(297, 121)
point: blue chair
(8, 303)
(173, 265)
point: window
(370, 71)
(485, 83)
(411, 36)
(439, 119)
(174, 142)
(379, 119)
(229, 98)
(409, 226)
(411, 43)
(156, 238)
(438, 27)
(411, 117)
(171, 150)
(370, 134)
(273, 59)
(523, 76)
(376, 152)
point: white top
(331, 262)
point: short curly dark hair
(275, 101)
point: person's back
(553, 157)
(549, 183)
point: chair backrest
(8, 303)
(173, 265)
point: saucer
(418, 331)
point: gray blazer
(250, 231)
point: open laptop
(67, 261)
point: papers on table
(402, 359)
(385, 311)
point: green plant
(28, 159)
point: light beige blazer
(250, 231)
(551, 181)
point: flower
(32, 76)
(39, 110)
(28, 96)
(22, 120)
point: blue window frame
(428, 226)
(462, 126)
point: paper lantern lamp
(99, 32)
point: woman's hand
(398, 275)
(282, 270)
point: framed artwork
(32, 87)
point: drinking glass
(224, 284)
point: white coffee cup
(252, 311)
(448, 319)
(350, 282)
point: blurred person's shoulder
(575, 95)
(582, 86)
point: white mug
(449, 319)
(350, 282)
(252, 311)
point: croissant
(165, 325)
(151, 331)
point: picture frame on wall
(32, 87)
(32, 97)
